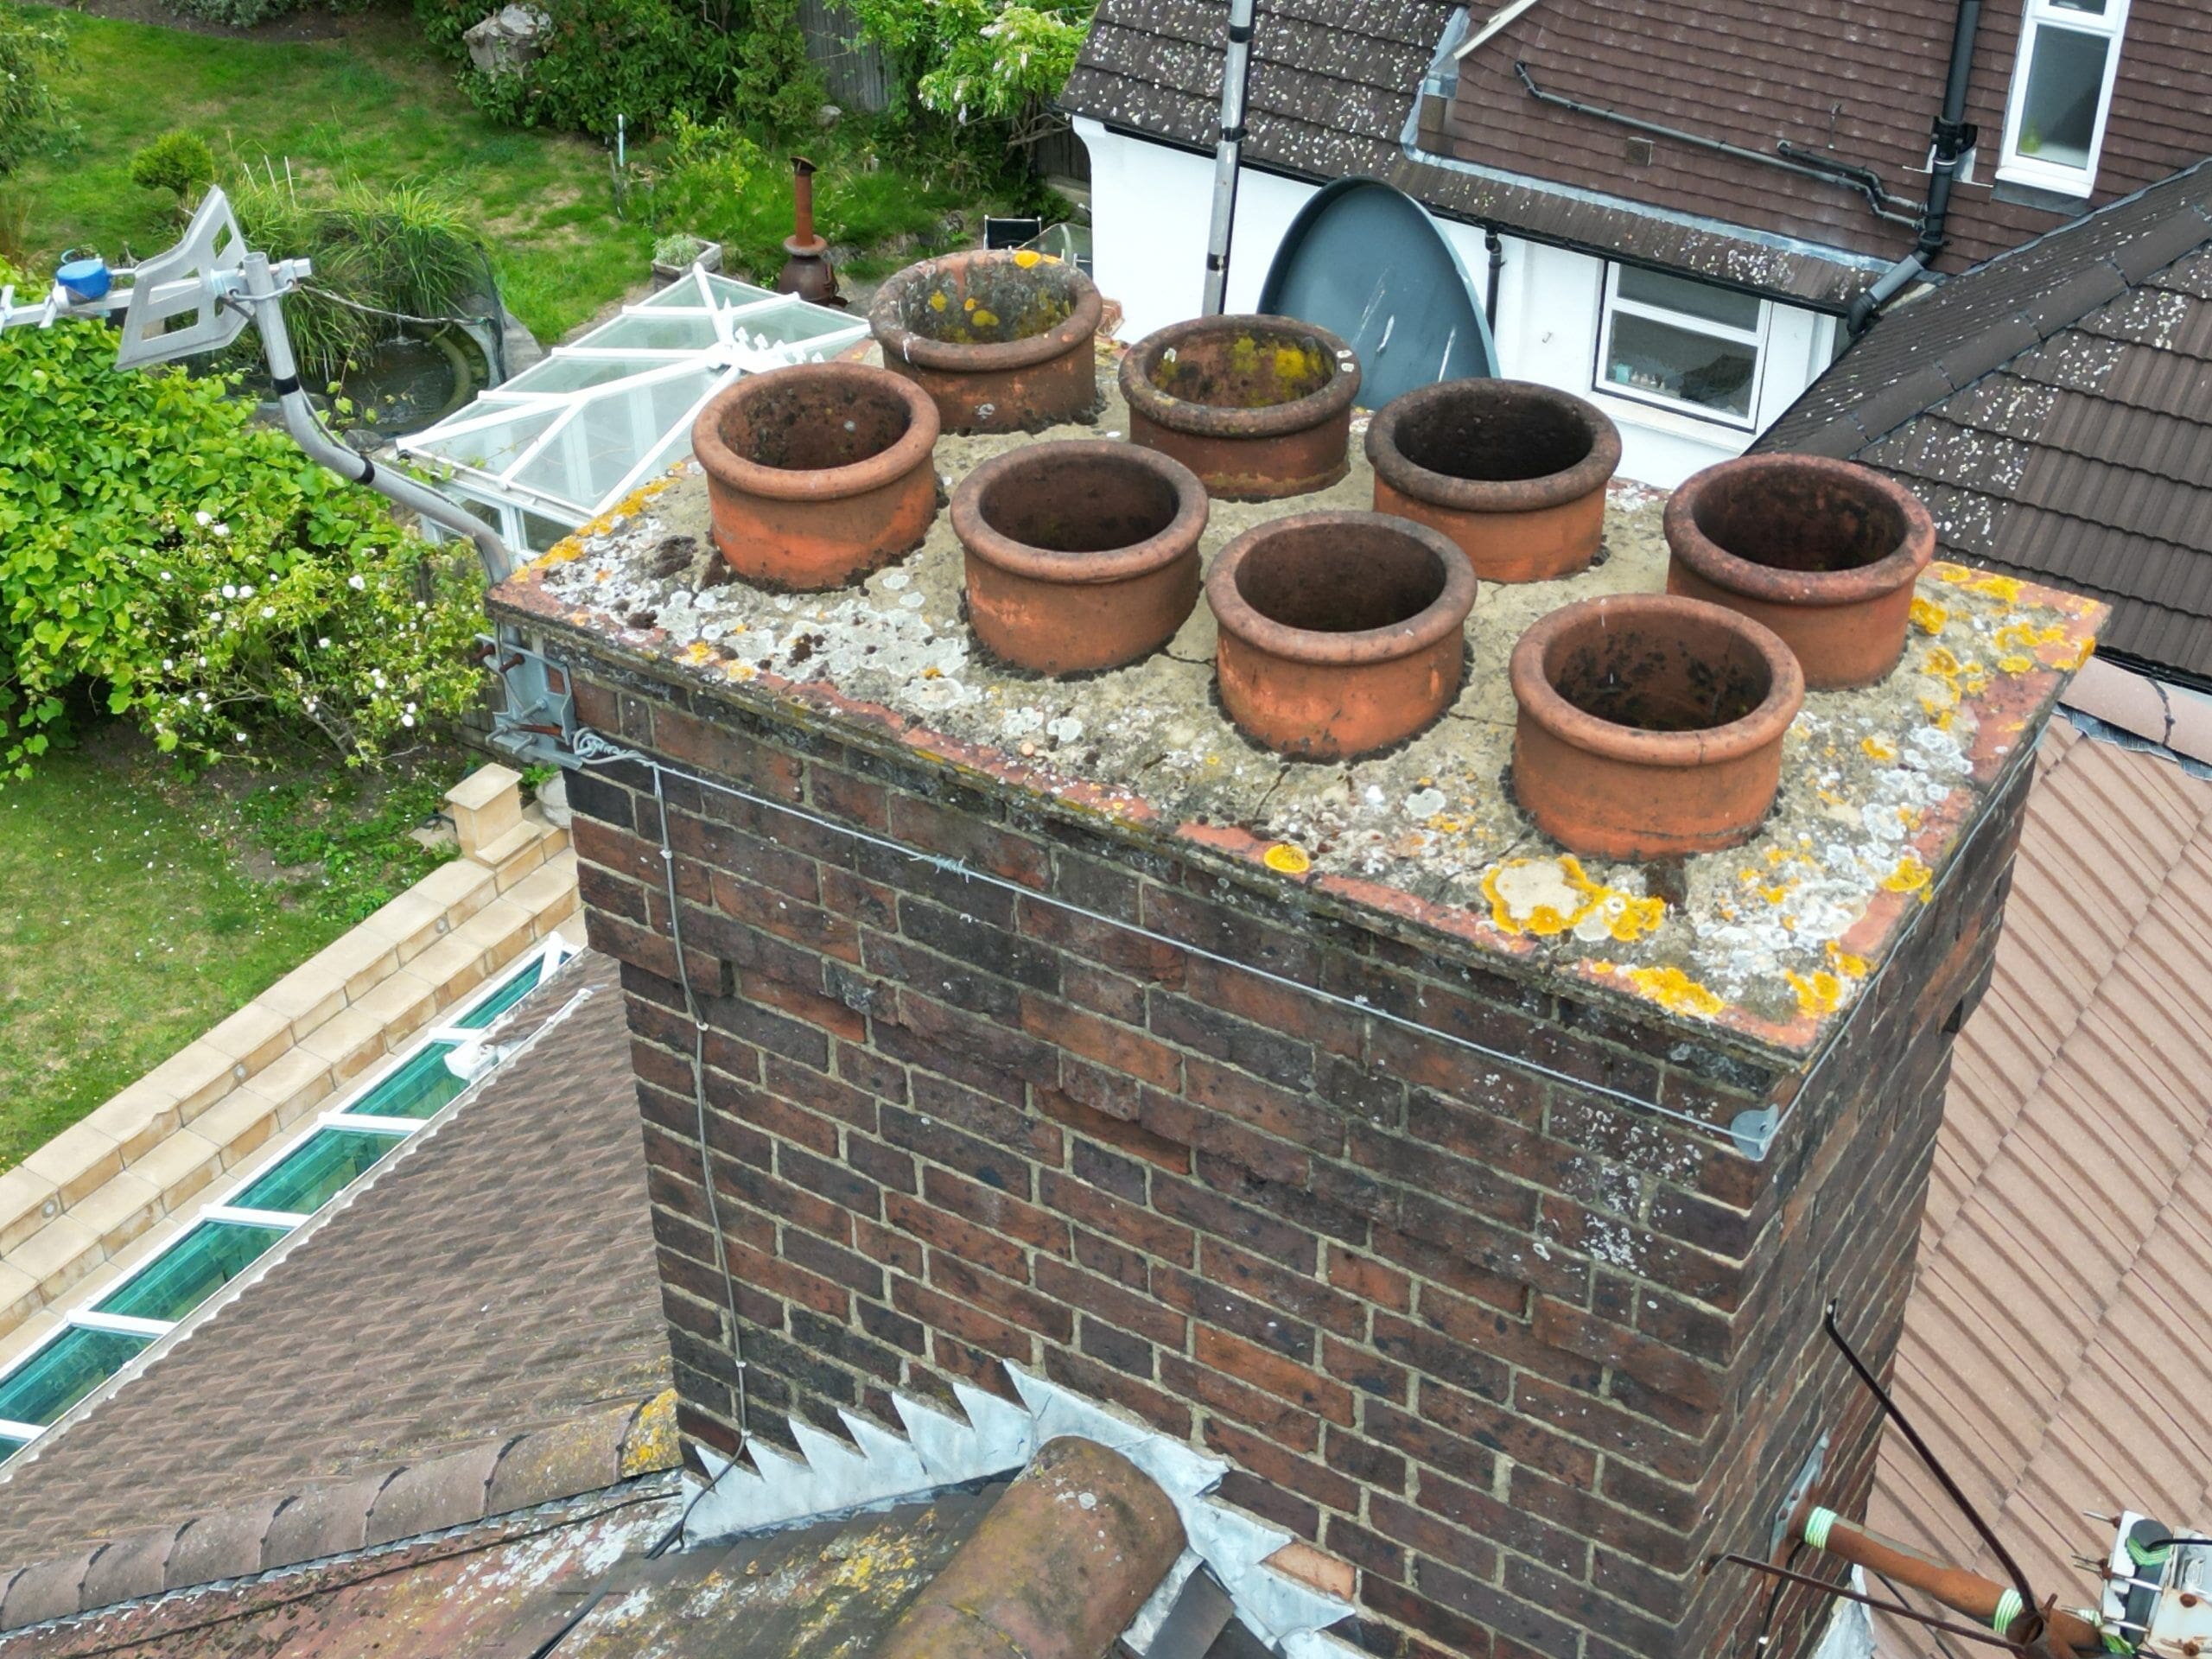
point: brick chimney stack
(1459, 1236)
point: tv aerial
(200, 296)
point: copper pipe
(1966, 1632)
(1961, 1591)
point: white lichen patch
(1760, 927)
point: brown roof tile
(2054, 408)
(478, 1330)
(2064, 1248)
(1333, 84)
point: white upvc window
(2062, 92)
(1681, 344)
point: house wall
(1151, 206)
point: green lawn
(375, 105)
(136, 910)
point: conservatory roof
(573, 434)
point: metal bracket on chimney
(538, 722)
(1800, 1488)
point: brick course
(1522, 1357)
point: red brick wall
(1524, 1357)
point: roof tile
(431, 1497)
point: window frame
(1759, 339)
(2036, 16)
(549, 954)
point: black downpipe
(1492, 241)
(1954, 135)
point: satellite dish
(1367, 262)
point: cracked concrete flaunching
(1768, 941)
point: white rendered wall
(1150, 208)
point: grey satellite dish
(1367, 262)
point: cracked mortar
(1876, 783)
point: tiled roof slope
(2053, 1349)
(477, 1330)
(1333, 81)
(2054, 409)
(1332, 85)
(1860, 80)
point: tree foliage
(980, 61)
(31, 115)
(197, 574)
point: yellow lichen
(1285, 859)
(1941, 662)
(1944, 570)
(1818, 995)
(1025, 258)
(1910, 876)
(1673, 989)
(2013, 663)
(1879, 748)
(651, 1444)
(1548, 897)
(938, 301)
(1928, 616)
(1849, 966)
(984, 317)
(2005, 587)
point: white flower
(407, 719)
(246, 592)
(355, 583)
(219, 530)
(323, 644)
(241, 737)
(167, 667)
(269, 610)
(165, 576)
(229, 590)
(203, 519)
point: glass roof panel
(692, 331)
(730, 291)
(801, 323)
(566, 374)
(63, 1372)
(191, 1270)
(9, 1446)
(503, 999)
(320, 1167)
(419, 1089)
(492, 446)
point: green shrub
(178, 161)
(31, 116)
(646, 60)
(981, 62)
(197, 574)
(405, 248)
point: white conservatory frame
(573, 434)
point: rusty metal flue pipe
(1995, 1605)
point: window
(2061, 90)
(1681, 344)
(93, 1344)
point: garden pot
(1080, 556)
(1650, 726)
(818, 473)
(1514, 473)
(1824, 552)
(1258, 407)
(1341, 633)
(1001, 340)
(708, 259)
